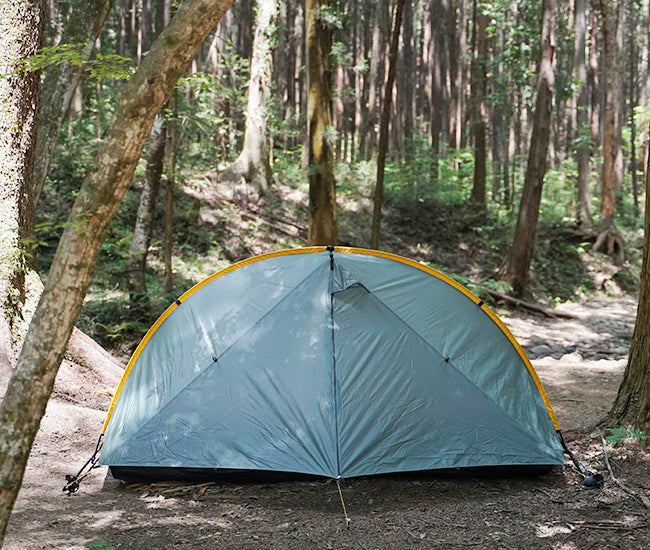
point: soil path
(580, 363)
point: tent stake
(348, 520)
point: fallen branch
(274, 226)
(528, 305)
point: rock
(541, 350)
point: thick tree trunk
(253, 162)
(86, 21)
(322, 185)
(632, 405)
(521, 253)
(382, 149)
(100, 195)
(21, 34)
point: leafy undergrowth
(216, 225)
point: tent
(330, 361)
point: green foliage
(558, 268)
(621, 435)
(559, 194)
(100, 545)
(99, 66)
(211, 112)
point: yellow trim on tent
(342, 249)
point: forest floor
(580, 362)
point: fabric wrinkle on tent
(331, 361)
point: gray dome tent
(338, 362)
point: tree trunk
(582, 117)
(253, 162)
(406, 82)
(322, 186)
(168, 238)
(368, 132)
(21, 33)
(612, 140)
(521, 253)
(136, 263)
(632, 405)
(382, 149)
(98, 199)
(477, 102)
(86, 21)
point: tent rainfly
(330, 361)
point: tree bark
(382, 148)
(21, 33)
(136, 263)
(521, 253)
(367, 132)
(98, 199)
(86, 21)
(612, 140)
(582, 116)
(322, 185)
(477, 102)
(631, 407)
(253, 162)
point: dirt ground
(580, 362)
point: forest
(146, 145)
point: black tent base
(150, 474)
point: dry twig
(641, 497)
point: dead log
(527, 305)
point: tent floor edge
(152, 474)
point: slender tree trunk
(382, 149)
(521, 252)
(612, 139)
(168, 238)
(322, 186)
(406, 81)
(582, 117)
(374, 70)
(633, 95)
(632, 405)
(477, 103)
(98, 199)
(139, 246)
(593, 73)
(85, 23)
(253, 162)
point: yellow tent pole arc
(476, 300)
(180, 300)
